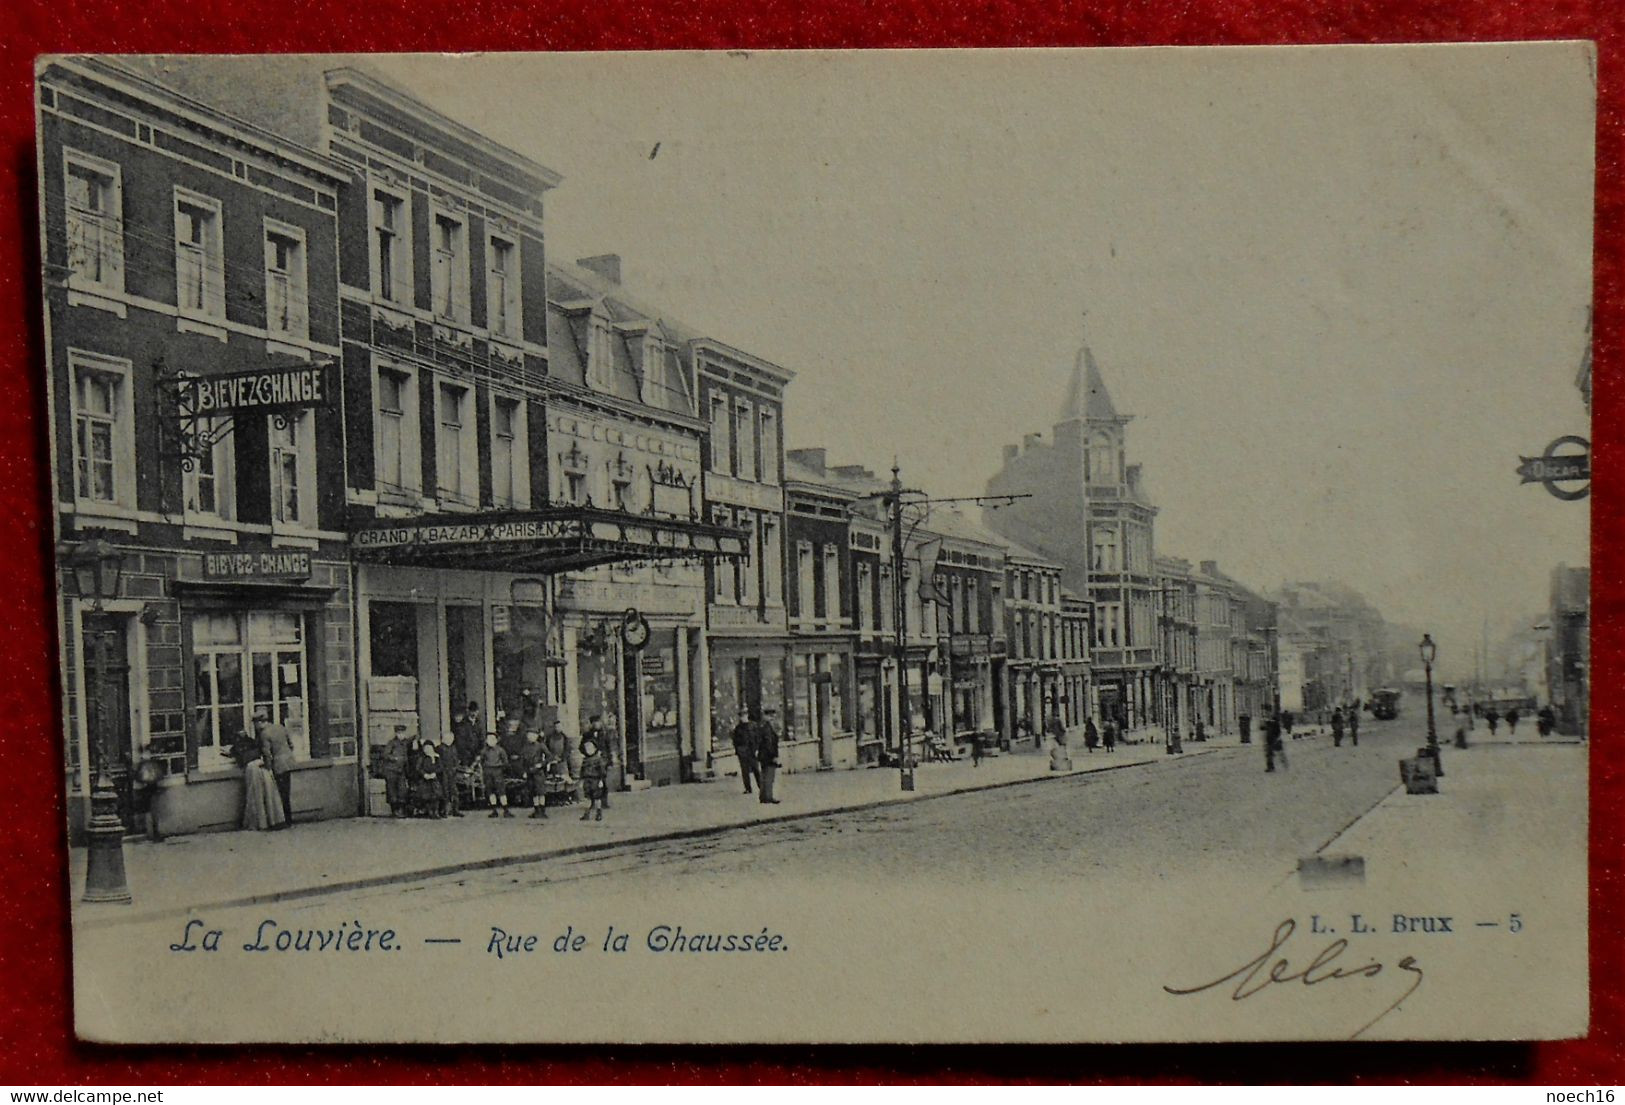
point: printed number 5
(1516, 923)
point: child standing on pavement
(494, 772)
(594, 779)
(533, 761)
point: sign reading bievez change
(262, 390)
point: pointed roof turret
(1086, 395)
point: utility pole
(894, 498)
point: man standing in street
(767, 754)
(1354, 725)
(744, 739)
(276, 749)
(1337, 728)
(1273, 745)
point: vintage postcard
(899, 546)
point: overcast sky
(1341, 290)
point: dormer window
(654, 369)
(600, 353)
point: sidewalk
(1509, 813)
(216, 870)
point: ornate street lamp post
(96, 566)
(1428, 650)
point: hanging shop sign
(259, 391)
(1564, 468)
(467, 533)
(257, 567)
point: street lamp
(96, 566)
(1428, 650)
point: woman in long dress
(262, 802)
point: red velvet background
(36, 1037)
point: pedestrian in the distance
(976, 750)
(767, 754)
(1274, 741)
(1493, 716)
(1545, 721)
(494, 774)
(276, 749)
(1286, 724)
(1337, 728)
(1201, 731)
(1091, 734)
(594, 778)
(1244, 725)
(744, 741)
(1109, 735)
(1354, 725)
(1055, 730)
(1512, 722)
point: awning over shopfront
(545, 540)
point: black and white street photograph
(922, 546)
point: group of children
(421, 777)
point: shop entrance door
(107, 683)
(465, 661)
(653, 671)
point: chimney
(1011, 452)
(607, 265)
(811, 458)
(852, 472)
(1210, 567)
(1030, 440)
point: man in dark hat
(767, 753)
(744, 740)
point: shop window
(287, 302)
(95, 222)
(802, 725)
(200, 270)
(242, 663)
(293, 469)
(392, 636)
(521, 641)
(502, 296)
(868, 695)
(392, 246)
(210, 482)
(727, 703)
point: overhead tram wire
(319, 309)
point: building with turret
(1089, 512)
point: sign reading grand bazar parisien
(673, 537)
